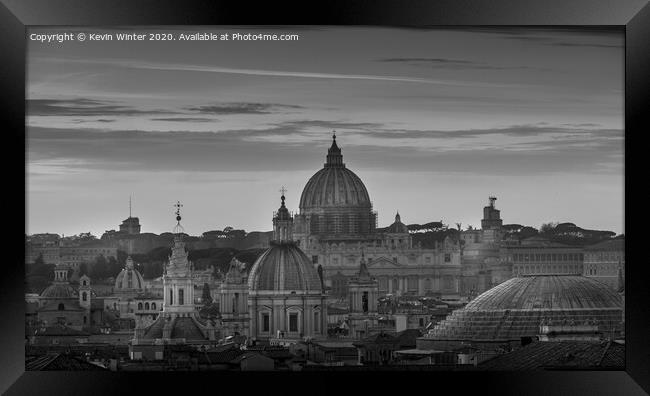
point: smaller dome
(129, 279)
(59, 290)
(284, 268)
(397, 227)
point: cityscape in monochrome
(324, 199)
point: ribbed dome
(59, 290)
(284, 268)
(334, 185)
(517, 307)
(550, 292)
(129, 279)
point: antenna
(129, 206)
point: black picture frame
(15, 15)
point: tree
(113, 267)
(83, 269)
(547, 227)
(100, 269)
(206, 298)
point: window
(293, 322)
(316, 322)
(61, 307)
(153, 305)
(146, 306)
(171, 297)
(364, 301)
(180, 297)
(85, 320)
(314, 259)
(139, 306)
(427, 284)
(84, 296)
(265, 322)
(447, 257)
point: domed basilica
(336, 223)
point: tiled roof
(61, 331)
(62, 362)
(407, 337)
(561, 354)
(186, 328)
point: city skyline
(434, 122)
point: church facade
(336, 225)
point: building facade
(336, 223)
(605, 262)
(286, 296)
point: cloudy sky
(432, 120)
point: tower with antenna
(131, 225)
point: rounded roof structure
(548, 292)
(334, 185)
(59, 290)
(129, 279)
(283, 267)
(517, 307)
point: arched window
(61, 307)
(139, 306)
(85, 320)
(84, 283)
(153, 305)
(84, 297)
(146, 306)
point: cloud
(82, 107)
(184, 119)
(455, 64)
(513, 150)
(241, 108)
(270, 73)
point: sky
(434, 121)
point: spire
(334, 156)
(363, 269)
(282, 222)
(130, 207)
(398, 219)
(179, 228)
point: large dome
(547, 292)
(334, 185)
(517, 307)
(284, 268)
(129, 279)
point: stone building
(603, 262)
(233, 300)
(363, 295)
(336, 222)
(179, 321)
(482, 264)
(540, 256)
(286, 300)
(62, 304)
